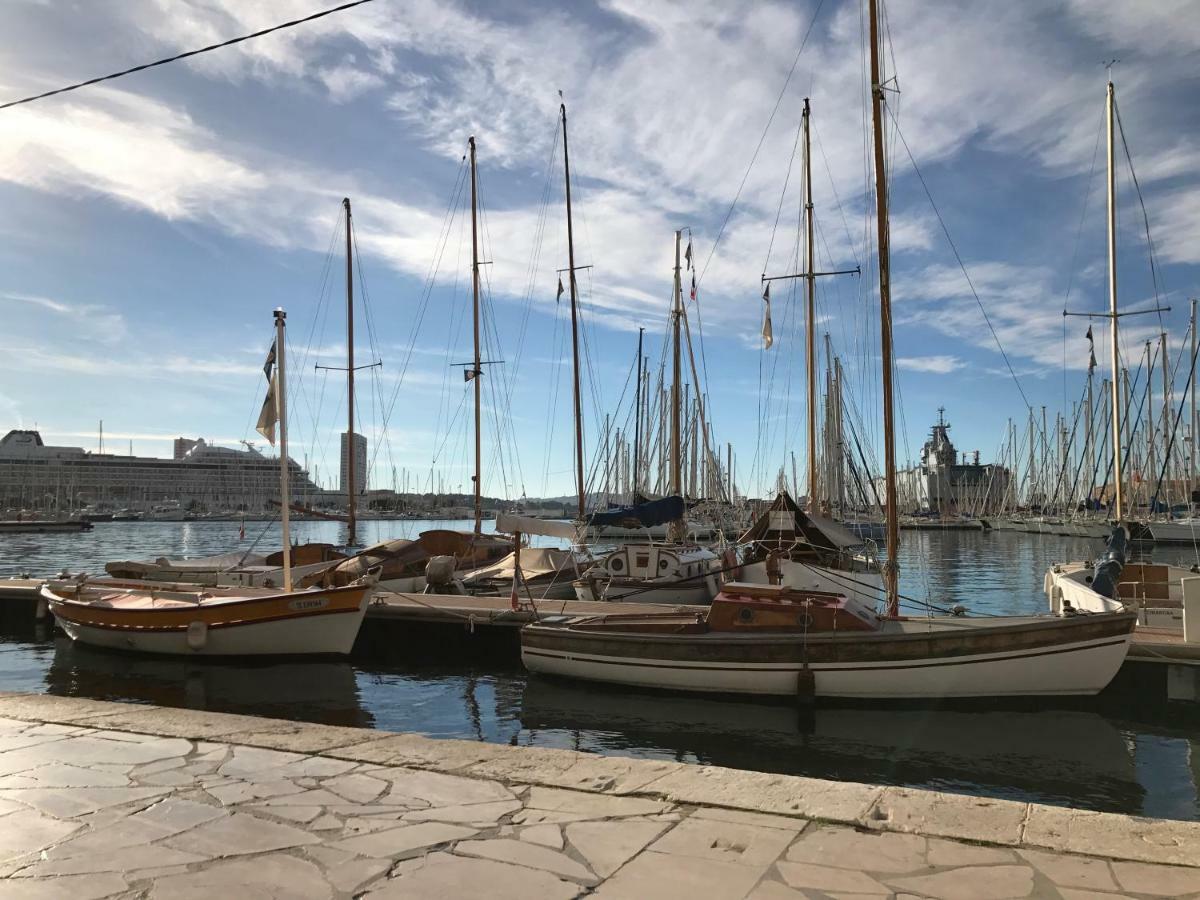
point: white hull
(1082, 668)
(1181, 531)
(315, 634)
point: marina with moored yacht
(488, 604)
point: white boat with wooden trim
(182, 620)
(187, 620)
(653, 573)
(772, 640)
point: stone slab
(1113, 835)
(948, 815)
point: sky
(151, 224)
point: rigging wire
(190, 53)
(958, 258)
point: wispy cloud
(938, 365)
(96, 322)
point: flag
(1092, 361)
(688, 254)
(468, 374)
(1089, 334)
(269, 365)
(768, 338)
(267, 416)
(693, 285)
(558, 299)
(1091, 350)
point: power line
(189, 53)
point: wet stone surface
(89, 813)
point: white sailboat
(184, 620)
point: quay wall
(1034, 827)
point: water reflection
(1073, 756)
(314, 691)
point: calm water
(1120, 752)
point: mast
(1089, 446)
(1192, 420)
(1118, 497)
(579, 486)
(351, 446)
(892, 570)
(477, 478)
(676, 530)
(1166, 412)
(637, 418)
(285, 500)
(810, 318)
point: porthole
(662, 565)
(745, 614)
(617, 565)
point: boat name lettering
(309, 603)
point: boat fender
(197, 635)
(958, 610)
(806, 687)
(43, 609)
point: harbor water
(1098, 754)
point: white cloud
(938, 365)
(347, 81)
(91, 321)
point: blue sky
(151, 225)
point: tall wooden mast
(892, 569)
(676, 483)
(579, 485)
(810, 319)
(637, 418)
(285, 479)
(1118, 496)
(351, 445)
(478, 367)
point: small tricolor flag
(558, 299)
(268, 415)
(693, 286)
(768, 338)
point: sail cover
(510, 524)
(643, 515)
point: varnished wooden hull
(908, 659)
(266, 624)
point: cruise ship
(201, 476)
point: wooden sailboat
(770, 639)
(647, 571)
(184, 620)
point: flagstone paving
(92, 813)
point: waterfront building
(360, 464)
(202, 476)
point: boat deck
(498, 611)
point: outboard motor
(439, 575)
(1108, 569)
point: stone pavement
(111, 800)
